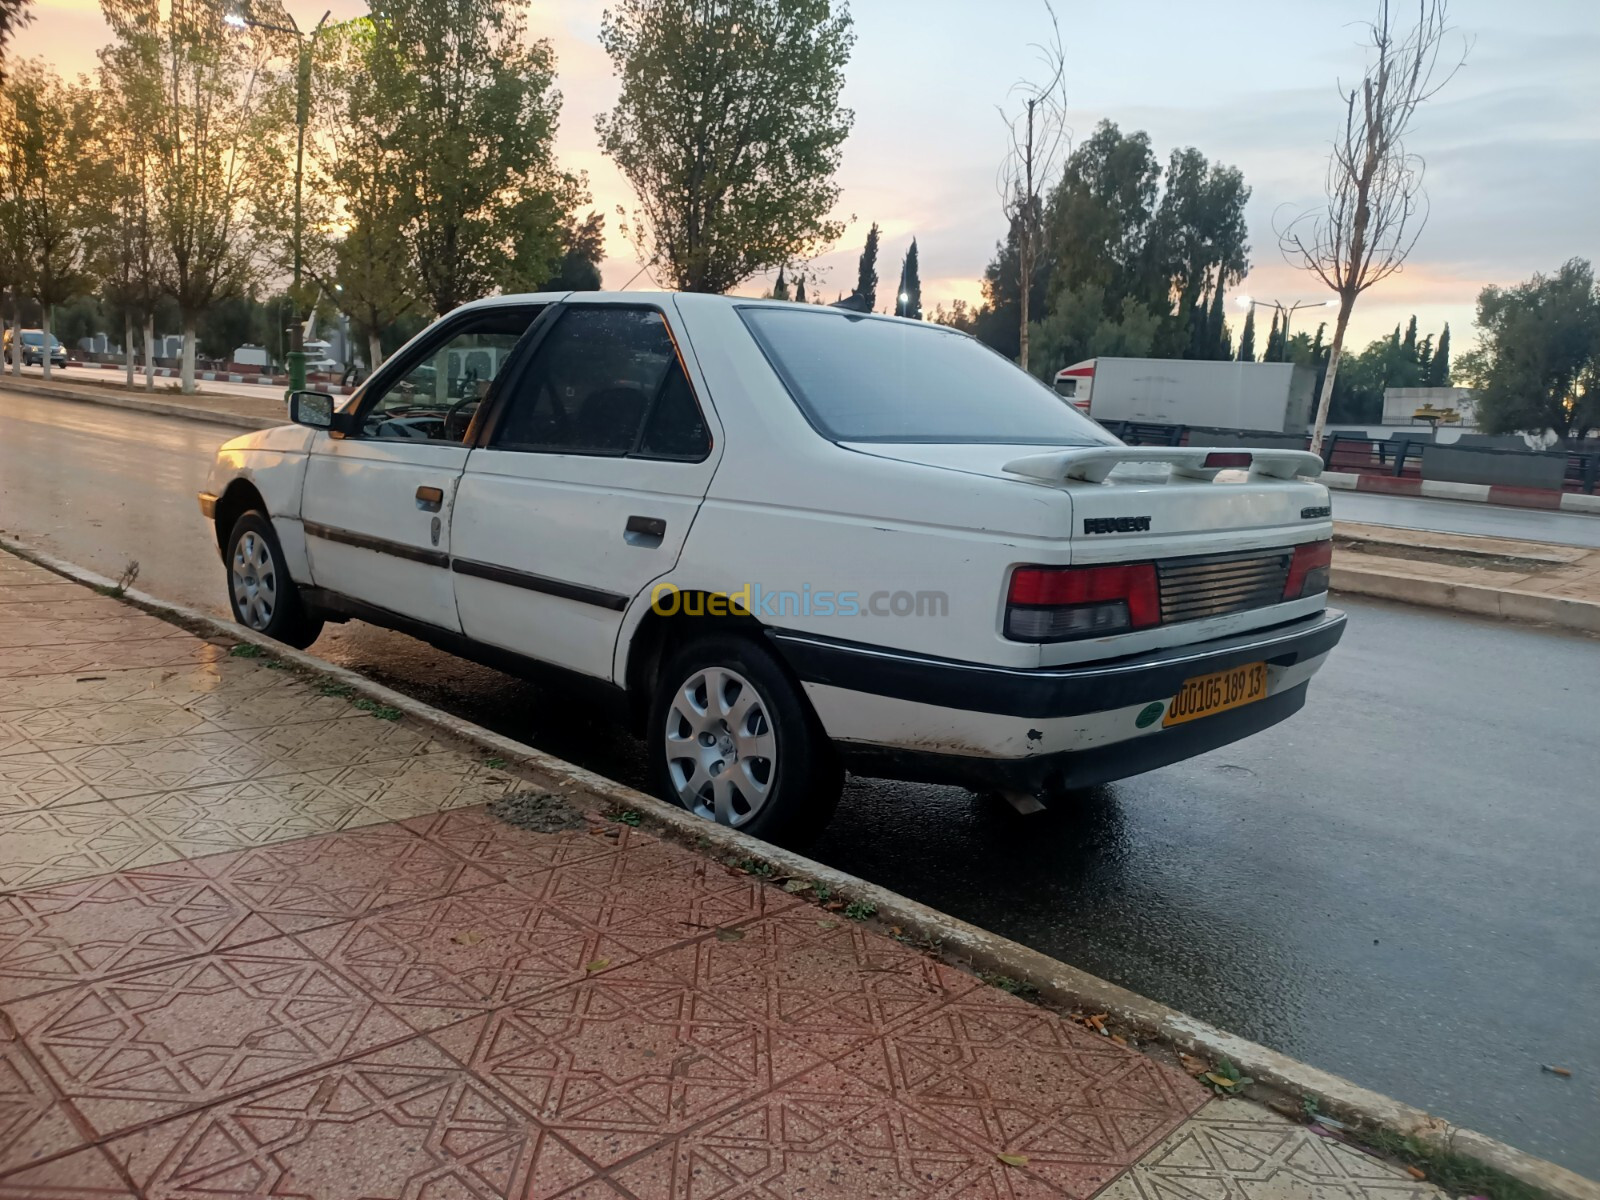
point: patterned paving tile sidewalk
(257, 942)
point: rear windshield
(859, 378)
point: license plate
(1207, 694)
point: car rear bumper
(917, 717)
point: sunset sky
(1513, 146)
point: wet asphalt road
(1397, 885)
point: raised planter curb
(92, 395)
(1290, 1080)
(1563, 612)
(1480, 493)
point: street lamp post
(1284, 313)
(296, 358)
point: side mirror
(312, 409)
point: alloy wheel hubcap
(255, 581)
(722, 752)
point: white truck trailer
(1272, 397)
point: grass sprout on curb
(383, 712)
(1226, 1079)
(247, 650)
(1020, 988)
(494, 764)
(124, 581)
(630, 818)
(1455, 1173)
(859, 910)
(341, 691)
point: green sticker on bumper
(1150, 714)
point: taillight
(1058, 604)
(1308, 570)
(1225, 460)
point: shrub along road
(1396, 885)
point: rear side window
(871, 379)
(606, 380)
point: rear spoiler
(1092, 464)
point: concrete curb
(34, 387)
(1563, 612)
(1481, 493)
(1057, 982)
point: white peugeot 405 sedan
(795, 540)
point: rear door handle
(644, 531)
(430, 499)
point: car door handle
(644, 531)
(430, 499)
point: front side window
(871, 379)
(440, 391)
(606, 380)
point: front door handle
(430, 499)
(644, 531)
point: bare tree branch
(1037, 143)
(1376, 208)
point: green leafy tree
(16, 261)
(1537, 362)
(908, 302)
(61, 185)
(215, 116)
(866, 291)
(1197, 245)
(14, 15)
(996, 321)
(465, 106)
(585, 247)
(129, 254)
(1247, 337)
(1077, 328)
(1100, 214)
(729, 127)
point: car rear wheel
(732, 740)
(263, 596)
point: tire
(758, 760)
(263, 596)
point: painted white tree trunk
(44, 342)
(188, 357)
(16, 340)
(149, 352)
(1335, 353)
(374, 352)
(127, 346)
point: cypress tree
(780, 290)
(910, 287)
(800, 290)
(1247, 339)
(1219, 344)
(1410, 344)
(867, 271)
(1274, 342)
(1439, 368)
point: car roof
(663, 298)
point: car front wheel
(733, 740)
(263, 596)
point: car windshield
(860, 378)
